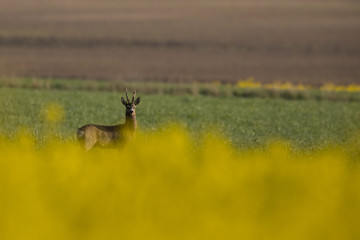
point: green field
(247, 122)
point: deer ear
(123, 101)
(137, 101)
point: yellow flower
(54, 112)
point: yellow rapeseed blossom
(339, 88)
(163, 186)
(248, 83)
(328, 87)
(54, 112)
(353, 88)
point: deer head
(130, 106)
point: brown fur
(91, 135)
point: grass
(246, 122)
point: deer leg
(89, 143)
(89, 139)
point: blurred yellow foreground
(165, 187)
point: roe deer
(111, 136)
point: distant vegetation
(307, 123)
(247, 88)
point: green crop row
(246, 122)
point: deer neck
(130, 122)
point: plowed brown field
(290, 41)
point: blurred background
(308, 41)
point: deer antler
(127, 97)
(133, 97)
